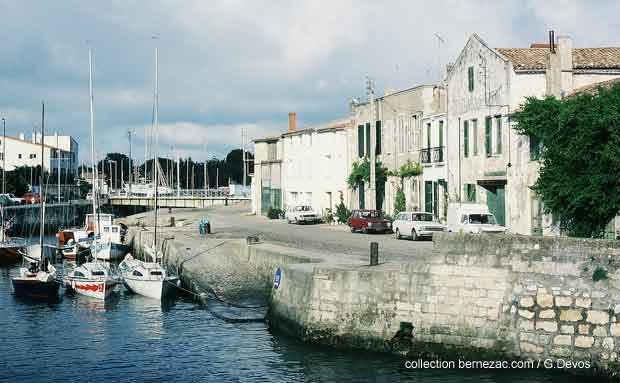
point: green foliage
(360, 172)
(408, 169)
(17, 182)
(599, 274)
(342, 212)
(580, 158)
(400, 202)
(274, 213)
(329, 216)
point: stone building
(306, 166)
(488, 161)
(59, 152)
(410, 125)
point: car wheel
(296, 222)
(397, 234)
(414, 235)
(352, 229)
(365, 230)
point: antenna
(440, 41)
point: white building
(488, 161)
(302, 167)
(410, 126)
(58, 151)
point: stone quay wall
(473, 297)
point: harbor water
(132, 338)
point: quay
(25, 218)
(462, 297)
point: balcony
(431, 155)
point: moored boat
(148, 279)
(92, 279)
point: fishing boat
(149, 279)
(38, 280)
(112, 235)
(94, 279)
(10, 248)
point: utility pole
(370, 90)
(440, 41)
(58, 165)
(243, 138)
(129, 133)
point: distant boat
(149, 279)
(38, 280)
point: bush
(274, 213)
(599, 274)
(329, 216)
(342, 212)
(400, 202)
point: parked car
(369, 220)
(301, 214)
(415, 225)
(5, 200)
(31, 198)
(14, 200)
(472, 218)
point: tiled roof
(583, 58)
(593, 88)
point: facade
(488, 161)
(410, 125)
(58, 150)
(302, 167)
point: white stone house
(58, 152)
(308, 166)
(410, 125)
(488, 161)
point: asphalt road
(234, 221)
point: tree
(115, 174)
(400, 202)
(580, 157)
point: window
(498, 135)
(1, 156)
(487, 136)
(535, 148)
(136, 273)
(474, 128)
(428, 196)
(156, 273)
(470, 78)
(19, 156)
(32, 155)
(367, 139)
(272, 151)
(440, 132)
(428, 135)
(413, 123)
(466, 139)
(360, 141)
(470, 192)
(378, 138)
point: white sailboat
(149, 279)
(94, 279)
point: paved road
(235, 222)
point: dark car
(369, 221)
(31, 198)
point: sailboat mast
(41, 194)
(156, 149)
(92, 147)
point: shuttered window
(360, 141)
(474, 134)
(378, 137)
(470, 192)
(470, 78)
(487, 136)
(466, 139)
(368, 139)
(498, 135)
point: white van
(472, 218)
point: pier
(26, 218)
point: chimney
(559, 71)
(291, 122)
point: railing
(183, 193)
(429, 155)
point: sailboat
(149, 279)
(38, 280)
(94, 279)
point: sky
(228, 65)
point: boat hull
(99, 289)
(10, 255)
(113, 252)
(35, 289)
(154, 289)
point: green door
(428, 196)
(361, 192)
(496, 201)
(435, 199)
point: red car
(31, 198)
(369, 220)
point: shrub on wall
(342, 212)
(274, 213)
(400, 202)
(360, 172)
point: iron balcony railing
(429, 155)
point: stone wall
(473, 297)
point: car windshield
(482, 219)
(370, 214)
(423, 217)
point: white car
(301, 214)
(13, 199)
(472, 218)
(415, 225)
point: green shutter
(470, 78)
(440, 143)
(474, 133)
(428, 135)
(487, 136)
(466, 139)
(368, 139)
(378, 138)
(470, 192)
(428, 196)
(534, 149)
(498, 143)
(360, 141)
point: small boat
(10, 247)
(73, 250)
(93, 279)
(148, 279)
(114, 234)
